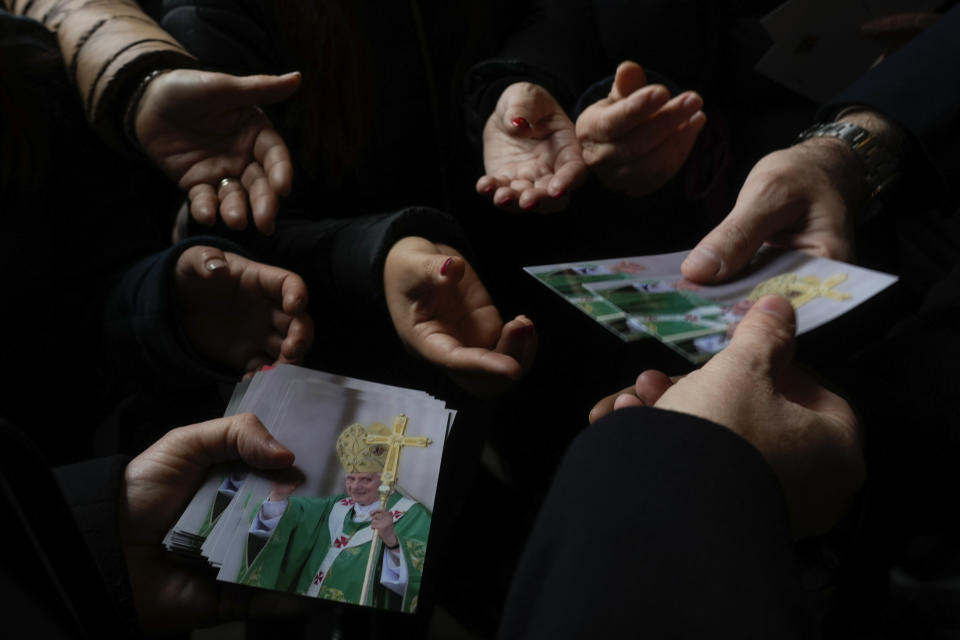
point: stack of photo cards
(647, 296)
(314, 529)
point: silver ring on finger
(226, 181)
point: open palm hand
(205, 131)
(531, 154)
(443, 313)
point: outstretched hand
(808, 435)
(158, 485)
(638, 137)
(240, 313)
(531, 154)
(801, 197)
(202, 127)
(443, 313)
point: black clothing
(918, 88)
(659, 525)
(63, 574)
(912, 443)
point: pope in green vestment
(319, 547)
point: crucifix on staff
(394, 441)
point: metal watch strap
(880, 167)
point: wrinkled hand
(443, 313)
(809, 435)
(200, 127)
(382, 521)
(637, 138)
(530, 152)
(158, 485)
(240, 313)
(801, 198)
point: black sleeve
(229, 36)
(659, 524)
(92, 490)
(63, 574)
(557, 47)
(342, 259)
(141, 332)
(905, 388)
(919, 88)
(568, 45)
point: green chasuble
(313, 532)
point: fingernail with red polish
(446, 265)
(560, 194)
(520, 123)
(489, 189)
(531, 206)
(505, 203)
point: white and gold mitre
(354, 452)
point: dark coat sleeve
(913, 438)
(342, 260)
(557, 47)
(919, 88)
(568, 46)
(659, 524)
(63, 573)
(225, 35)
(141, 334)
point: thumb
(630, 77)
(240, 437)
(242, 91)
(764, 340)
(258, 448)
(523, 106)
(733, 242)
(444, 270)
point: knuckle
(246, 420)
(732, 234)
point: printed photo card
(648, 297)
(350, 521)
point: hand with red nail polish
(638, 137)
(239, 313)
(531, 156)
(443, 313)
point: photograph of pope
(319, 547)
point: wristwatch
(880, 167)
